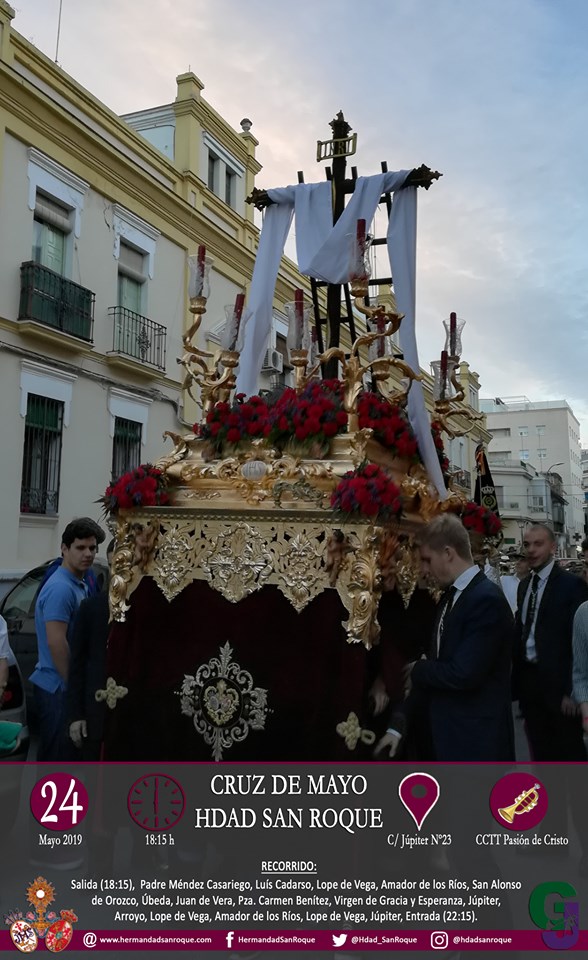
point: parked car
(14, 710)
(18, 609)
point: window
(542, 452)
(55, 195)
(51, 227)
(230, 187)
(134, 335)
(131, 278)
(213, 164)
(42, 455)
(140, 239)
(223, 173)
(498, 432)
(524, 455)
(495, 456)
(523, 431)
(540, 429)
(126, 446)
(128, 408)
(538, 502)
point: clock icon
(156, 802)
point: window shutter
(131, 262)
(53, 213)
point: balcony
(137, 341)
(460, 477)
(51, 306)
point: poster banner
(321, 859)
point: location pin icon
(419, 793)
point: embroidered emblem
(352, 732)
(224, 704)
(220, 703)
(111, 694)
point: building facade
(97, 217)
(527, 496)
(545, 436)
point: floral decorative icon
(40, 923)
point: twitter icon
(338, 941)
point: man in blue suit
(464, 686)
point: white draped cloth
(323, 252)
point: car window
(21, 599)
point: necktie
(445, 607)
(531, 607)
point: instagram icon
(439, 940)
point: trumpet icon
(525, 802)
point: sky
(492, 93)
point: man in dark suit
(465, 685)
(87, 673)
(542, 680)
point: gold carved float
(262, 516)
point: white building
(547, 436)
(584, 457)
(527, 496)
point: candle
(443, 373)
(237, 314)
(299, 315)
(233, 314)
(381, 326)
(360, 233)
(452, 333)
(197, 267)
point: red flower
(143, 487)
(369, 492)
(479, 519)
(315, 415)
(389, 423)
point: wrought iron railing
(138, 337)
(460, 476)
(53, 301)
(38, 500)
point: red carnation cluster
(436, 429)
(243, 419)
(389, 423)
(315, 415)
(143, 487)
(369, 492)
(479, 519)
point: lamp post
(559, 463)
(522, 523)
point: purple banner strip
(328, 940)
